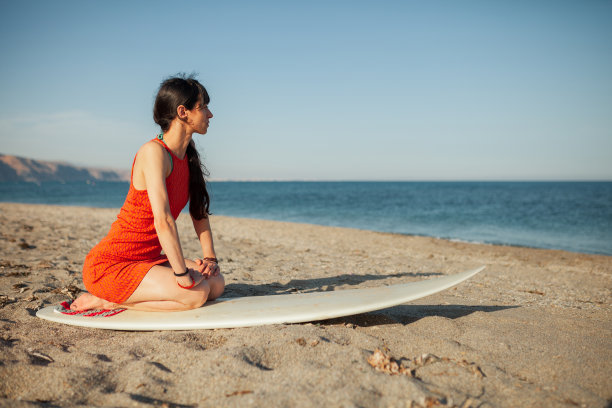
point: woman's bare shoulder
(150, 157)
(151, 149)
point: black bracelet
(178, 275)
(211, 260)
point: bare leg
(158, 291)
(87, 301)
(217, 286)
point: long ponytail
(186, 91)
(199, 200)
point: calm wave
(574, 216)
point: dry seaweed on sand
(383, 362)
(5, 300)
(69, 290)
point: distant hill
(13, 168)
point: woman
(126, 269)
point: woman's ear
(181, 112)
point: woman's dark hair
(186, 91)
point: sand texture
(533, 330)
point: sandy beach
(533, 330)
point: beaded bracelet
(211, 260)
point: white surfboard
(262, 310)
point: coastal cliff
(14, 168)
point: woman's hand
(207, 268)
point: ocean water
(574, 216)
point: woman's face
(200, 117)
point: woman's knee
(196, 296)
(208, 289)
(217, 286)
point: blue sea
(573, 216)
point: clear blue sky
(318, 90)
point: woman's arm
(152, 167)
(204, 233)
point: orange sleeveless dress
(114, 268)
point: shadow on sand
(407, 314)
(402, 314)
(314, 285)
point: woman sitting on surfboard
(126, 269)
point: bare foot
(87, 301)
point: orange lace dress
(115, 267)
